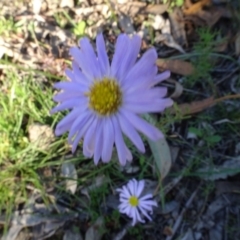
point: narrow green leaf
(162, 155)
(160, 150)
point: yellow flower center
(133, 201)
(105, 96)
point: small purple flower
(106, 100)
(133, 204)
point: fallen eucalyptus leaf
(168, 40)
(176, 66)
(48, 224)
(229, 168)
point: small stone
(67, 3)
(36, 6)
(41, 135)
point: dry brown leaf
(168, 40)
(194, 107)
(212, 16)
(187, 3)
(176, 66)
(195, 8)
(198, 106)
(208, 17)
(178, 26)
(156, 8)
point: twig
(226, 98)
(184, 89)
(226, 224)
(180, 217)
(169, 186)
(228, 75)
(120, 235)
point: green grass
(173, 3)
(77, 28)
(202, 62)
(23, 101)
(7, 26)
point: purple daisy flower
(106, 100)
(133, 204)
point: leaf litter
(197, 192)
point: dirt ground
(199, 42)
